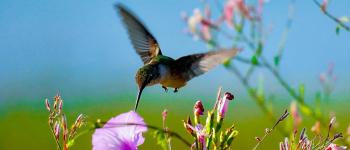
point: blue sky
(81, 47)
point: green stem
(56, 140)
(332, 17)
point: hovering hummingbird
(161, 69)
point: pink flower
(198, 108)
(205, 29)
(335, 147)
(243, 8)
(201, 134)
(324, 5)
(235, 5)
(260, 7)
(228, 12)
(123, 132)
(223, 104)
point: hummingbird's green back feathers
(194, 65)
(143, 41)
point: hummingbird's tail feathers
(142, 40)
(194, 65)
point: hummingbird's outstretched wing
(142, 40)
(194, 65)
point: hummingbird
(161, 69)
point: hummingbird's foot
(165, 89)
(176, 89)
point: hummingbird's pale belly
(169, 79)
(173, 82)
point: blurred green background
(80, 49)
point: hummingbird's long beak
(139, 96)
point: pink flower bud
(60, 104)
(324, 5)
(187, 125)
(47, 104)
(198, 108)
(164, 114)
(79, 120)
(223, 105)
(57, 130)
(229, 96)
(65, 130)
(64, 122)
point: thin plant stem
(57, 142)
(329, 15)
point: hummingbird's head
(146, 76)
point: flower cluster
(58, 124)
(201, 24)
(210, 134)
(316, 143)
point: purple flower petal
(116, 134)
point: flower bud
(232, 135)
(224, 105)
(331, 123)
(57, 130)
(229, 96)
(47, 104)
(60, 104)
(258, 139)
(164, 114)
(187, 125)
(337, 135)
(198, 108)
(57, 98)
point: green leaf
(337, 29)
(305, 110)
(239, 28)
(259, 48)
(276, 60)
(211, 44)
(231, 137)
(209, 122)
(318, 110)
(254, 60)
(227, 63)
(70, 143)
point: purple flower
(223, 104)
(201, 134)
(198, 108)
(123, 132)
